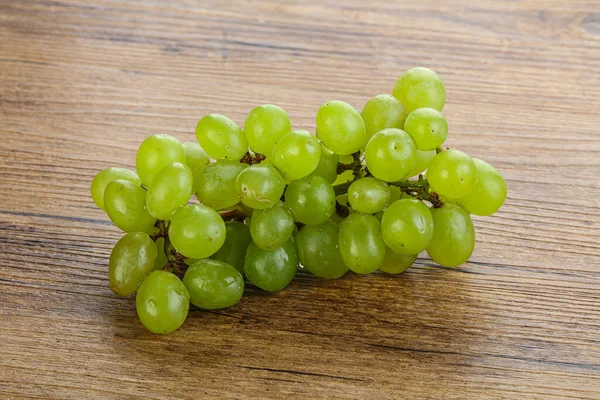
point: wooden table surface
(83, 83)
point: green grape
(195, 157)
(381, 112)
(106, 176)
(272, 227)
(368, 195)
(453, 238)
(213, 284)
(452, 174)
(264, 126)
(360, 242)
(155, 153)
(341, 127)
(319, 252)
(125, 204)
(344, 177)
(328, 163)
(221, 138)
(296, 154)
(171, 189)
(233, 250)
(311, 200)
(489, 192)
(131, 260)
(260, 186)
(162, 302)
(391, 155)
(395, 194)
(395, 263)
(161, 258)
(214, 185)
(423, 158)
(427, 128)
(420, 87)
(271, 270)
(197, 231)
(407, 226)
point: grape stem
(355, 166)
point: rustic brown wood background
(82, 83)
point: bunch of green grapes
(369, 191)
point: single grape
(344, 177)
(131, 260)
(271, 270)
(453, 238)
(106, 176)
(395, 263)
(155, 153)
(341, 127)
(260, 186)
(213, 284)
(195, 157)
(368, 195)
(395, 194)
(233, 250)
(381, 112)
(214, 185)
(423, 158)
(319, 252)
(264, 126)
(171, 189)
(489, 192)
(360, 242)
(197, 231)
(125, 204)
(311, 200)
(221, 138)
(390, 155)
(407, 226)
(162, 302)
(427, 127)
(272, 227)
(420, 87)
(328, 163)
(296, 154)
(161, 257)
(452, 174)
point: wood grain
(82, 83)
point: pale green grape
(271, 270)
(328, 163)
(195, 157)
(125, 204)
(260, 186)
(162, 302)
(311, 200)
(319, 252)
(453, 238)
(420, 87)
(264, 126)
(197, 231)
(296, 154)
(489, 192)
(390, 155)
(360, 242)
(131, 260)
(423, 158)
(368, 195)
(407, 226)
(344, 177)
(272, 227)
(341, 127)
(381, 112)
(171, 189)
(155, 153)
(427, 127)
(213, 284)
(395, 263)
(161, 257)
(214, 185)
(452, 174)
(233, 250)
(221, 138)
(395, 194)
(105, 177)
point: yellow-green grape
(390, 155)
(381, 112)
(233, 250)
(311, 200)
(214, 185)
(296, 154)
(260, 186)
(452, 174)
(162, 302)
(420, 87)
(341, 127)
(489, 192)
(125, 204)
(427, 127)
(272, 227)
(213, 284)
(368, 195)
(155, 153)
(271, 270)
(171, 189)
(161, 257)
(221, 138)
(407, 226)
(195, 157)
(395, 194)
(105, 177)
(453, 238)
(344, 177)
(423, 158)
(328, 163)
(319, 251)
(197, 231)
(361, 244)
(395, 263)
(264, 126)
(131, 260)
